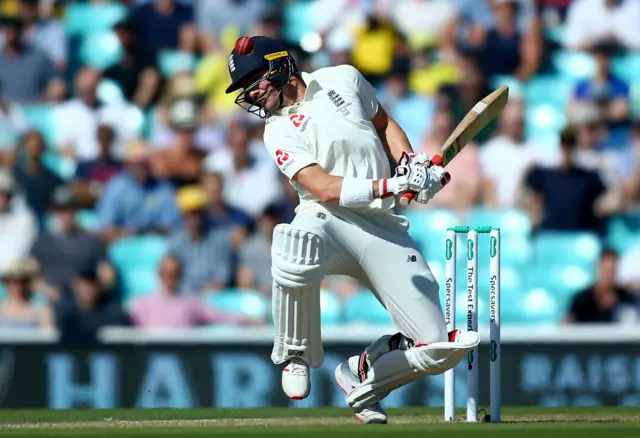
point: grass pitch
(332, 423)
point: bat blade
(473, 122)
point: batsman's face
(261, 92)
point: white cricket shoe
(296, 380)
(347, 381)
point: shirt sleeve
(288, 151)
(575, 32)
(108, 211)
(533, 180)
(367, 94)
(222, 270)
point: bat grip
(406, 198)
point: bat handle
(406, 198)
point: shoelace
(298, 369)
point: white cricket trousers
(378, 251)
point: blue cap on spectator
(88, 272)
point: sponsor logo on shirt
(282, 158)
(300, 121)
(339, 102)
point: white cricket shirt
(332, 128)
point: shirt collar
(313, 87)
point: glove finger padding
(439, 178)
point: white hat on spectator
(7, 184)
(183, 113)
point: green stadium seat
(64, 167)
(623, 231)
(100, 50)
(86, 219)
(173, 62)
(516, 87)
(42, 117)
(574, 65)
(562, 281)
(138, 252)
(429, 229)
(109, 91)
(298, 20)
(548, 89)
(510, 222)
(544, 121)
(536, 306)
(83, 18)
(1, 291)
(245, 302)
(331, 307)
(363, 307)
(137, 282)
(627, 67)
(560, 248)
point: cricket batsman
(330, 136)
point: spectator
(165, 25)
(463, 192)
(35, 179)
(64, 250)
(214, 18)
(337, 21)
(19, 227)
(181, 163)
(17, 310)
(565, 197)
(628, 274)
(591, 132)
(254, 256)
(414, 113)
(489, 37)
(591, 22)
(92, 175)
(250, 181)
(135, 72)
(169, 309)
(16, 58)
(373, 48)
(222, 215)
(185, 112)
(89, 310)
(78, 120)
(13, 125)
(505, 158)
(609, 93)
(422, 21)
(604, 301)
(631, 184)
(135, 202)
(203, 249)
(46, 34)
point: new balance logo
(412, 258)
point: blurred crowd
(114, 125)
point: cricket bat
(477, 118)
